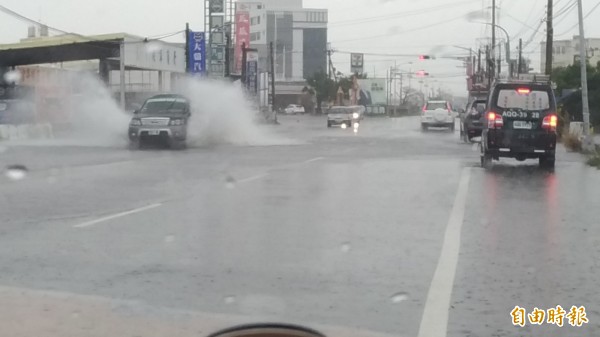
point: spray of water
(96, 119)
(221, 114)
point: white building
(299, 36)
(565, 52)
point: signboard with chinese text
(252, 72)
(197, 53)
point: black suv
(471, 121)
(520, 123)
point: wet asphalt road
(326, 228)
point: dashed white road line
(117, 215)
(256, 177)
(262, 175)
(434, 322)
(313, 160)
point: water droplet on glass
(399, 297)
(16, 172)
(13, 76)
(345, 248)
(230, 182)
(51, 180)
(169, 238)
(229, 299)
(3, 149)
(75, 314)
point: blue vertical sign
(252, 72)
(197, 53)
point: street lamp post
(507, 41)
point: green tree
(323, 86)
(569, 78)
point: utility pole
(588, 143)
(520, 64)
(272, 59)
(122, 73)
(187, 47)
(244, 61)
(227, 54)
(549, 38)
(493, 52)
(329, 63)
(499, 59)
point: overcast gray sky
(369, 26)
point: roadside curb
(26, 131)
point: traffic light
(422, 73)
(424, 57)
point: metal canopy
(60, 49)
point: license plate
(154, 132)
(522, 125)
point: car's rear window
(436, 105)
(523, 99)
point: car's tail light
(495, 120)
(424, 108)
(550, 122)
(524, 91)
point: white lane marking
(313, 160)
(118, 215)
(434, 322)
(256, 177)
(262, 175)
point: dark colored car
(520, 123)
(471, 121)
(161, 117)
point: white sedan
(293, 109)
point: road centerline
(434, 322)
(117, 215)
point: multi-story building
(566, 52)
(299, 36)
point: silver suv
(161, 117)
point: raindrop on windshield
(230, 182)
(229, 299)
(16, 172)
(169, 238)
(3, 149)
(345, 248)
(399, 297)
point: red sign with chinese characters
(242, 36)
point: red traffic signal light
(424, 57)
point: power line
(417, 12)
(585, 17)
(10, 12)
(399, 33)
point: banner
(372, 92)
(252, 72)
(197, 53)
(242, 35)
